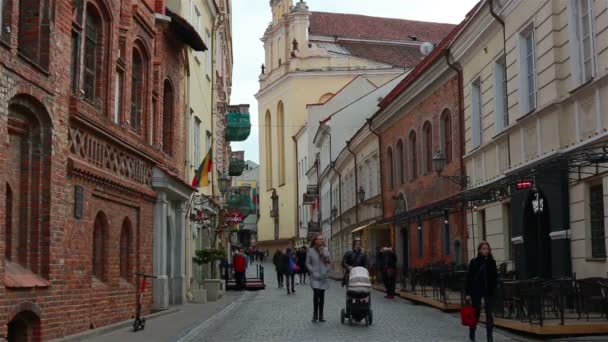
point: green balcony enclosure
(238, 126)
(240, 198)
(236, 167)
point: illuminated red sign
(524, 185)
(233, 217)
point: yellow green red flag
(201, 176)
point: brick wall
(427, 188)
(85, 148)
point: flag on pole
(201, 176)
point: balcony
(240, 198)
(311, 195)
(312, 190)
(236, 167)
(314, 227)
(238, 126)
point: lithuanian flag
(201, 177)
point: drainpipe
(462, 147)
(297, 216)
(333, 167)
(356, 181)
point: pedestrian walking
(481, 284)
(277, 259)
(288, 267)
(301, 261)
(239, 264)
(354, 258)
(389, 271)
(317, 263)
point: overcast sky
(251, 17)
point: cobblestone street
(272, 315)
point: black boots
(490, 335)
(471, 334)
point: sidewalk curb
(83, 336)
(202, 325)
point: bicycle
(140, 322)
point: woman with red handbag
(481, 284)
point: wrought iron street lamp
(439, 164)
(361, 194)
(223, 183)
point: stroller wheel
(370, 316)
(350, 319)
(366, 320)
(342, 316)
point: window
(476, 118)
(389, 169)
(74, 63)
(208, 141)
(197, 20)
(427, 130)
(197, 142)
(400, 166)
(8, 224)
(99, 246)
(168, 118)
(91, 35)
(446, 133)
(208, 65)
(137, 91)
(598, 235)
(508, 230)
(581, 40)
(500, 95)
(125, 247)
(481, 220)
(419, 241)
(527, 70)
(413, 156)
(281, 141)
(268, 149)
(118, 91)
(35, 31)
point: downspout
(297, 216)
(333, 167)
(216, 24)
(356, 182)
(463, 174)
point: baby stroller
(358, 297)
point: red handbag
(467, 316)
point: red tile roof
(404, 56)
(366, 27)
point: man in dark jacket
(277, 260)
(389, 271)
(354, 258)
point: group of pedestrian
(287, 265)
(256, 255)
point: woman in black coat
(481, 283)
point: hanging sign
(233, 217)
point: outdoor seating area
(556, 306)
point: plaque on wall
(78, 201)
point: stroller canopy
(358, 278)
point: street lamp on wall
(361, 194)
(439, 164)
(334, 212)
(223, 183)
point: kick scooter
(140, 322)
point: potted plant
(210, 256)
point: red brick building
(91, 101)
(418, 119)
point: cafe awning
(372, 226)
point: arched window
(400, 166)
(92, 55)
(427, 133)
(8, 224)
(35, 31)
(268, 145)
(413, 156)
(100, 229)
(137, 91)
(125, 249)
(25, 326)
(446, 133)
(389, 168)
(168, 118)
(28, 173)
(281, 141)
